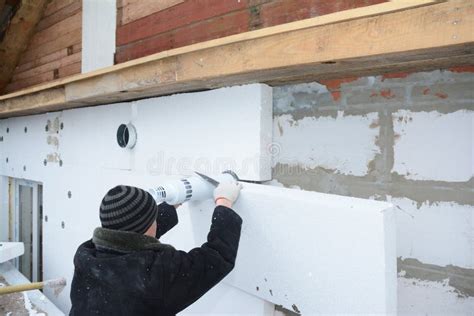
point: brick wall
(147, 26)
(55, 49)
(406, 138)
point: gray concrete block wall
(405, 138)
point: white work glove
(227, 190)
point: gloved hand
(228, 190)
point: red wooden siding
(181, 23)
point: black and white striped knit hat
(129, 209)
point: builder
(125, 270)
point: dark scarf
(125, 242)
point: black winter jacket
(124, 273)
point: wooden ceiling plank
(18, 35)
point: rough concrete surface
(422, 158)
(459, 278)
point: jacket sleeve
(166, 219)
(194, 273)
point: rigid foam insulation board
(75, 151)
(211, 131)
(310, 252)
(10, 250)
(98, 34)
(224, 299)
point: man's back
(125, 273)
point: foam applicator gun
(195, 188)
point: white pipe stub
(127, 135)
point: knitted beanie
(129, 209)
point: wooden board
(57, 37)
(280, 29)
(17, 36)
(59, 15)
(61, 28)
(197, 21)
(61, 72)
(135, 9)
(56, 5)
(172, 19)
(61, 42)
(56, 64)
(71, 50)
(28, 82)
(387, 37)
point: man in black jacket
(125, 270)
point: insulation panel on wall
(76, 157)
(310, 252)
(307, 251)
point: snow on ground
(17, 303)
(29, 306)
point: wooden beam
(135, 9)
(392, 36)
(17, 37)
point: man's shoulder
(87, 245)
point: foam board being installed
(312, 253)
(211, 131)
(224, 299)
(228, 128)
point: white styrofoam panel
(10, 250)
(308, 251)
(210, 131)
(83, 157)
(440, 233)
(89, 136)
(296, 268)
(224, 299)
(178, 134)
(25, 150)
(346, 143)
(433, 145)
(98, 34)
